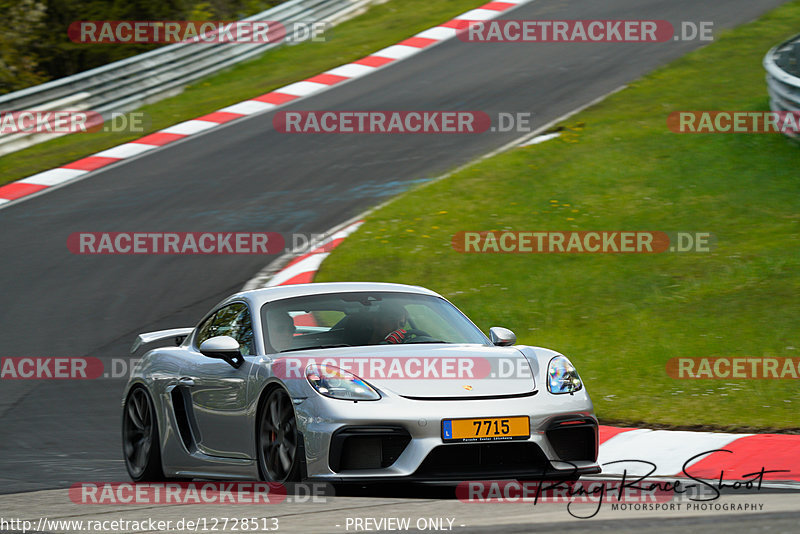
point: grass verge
(382, 25)
(621, 317)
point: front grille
(484, 459)
(354, 448)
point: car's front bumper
(562, 442)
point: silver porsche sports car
(352, 382)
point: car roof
(258, 297)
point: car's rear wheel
(140, 444)
(279, 443)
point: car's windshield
(364, 318)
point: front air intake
(574, 441)
(358, 448)
(480, 460)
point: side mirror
(502, 337)
(224, 348)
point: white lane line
(541, 139)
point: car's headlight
(562, 376)
(339, 384)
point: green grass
(381, 26)
(620, 318)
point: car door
(217, 390)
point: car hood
(429, 371)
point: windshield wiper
(318, 347)
(421, 342)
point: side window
(243, 332)
(205, 331)
(234, 321)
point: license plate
(486, 429)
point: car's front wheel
(140, 444)
(279, 450)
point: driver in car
(390, 324)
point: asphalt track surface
(774, 512)
(247, 177)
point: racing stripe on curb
(302, 269)
(608, 432)
(37, 183)
(667, 449)
(704, 455)
(752, 453)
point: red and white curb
(290, 93)
(739, 456)
(301, 270)
(670, 451)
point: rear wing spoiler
(149, 337)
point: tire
(140, 444)
(281, 455)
